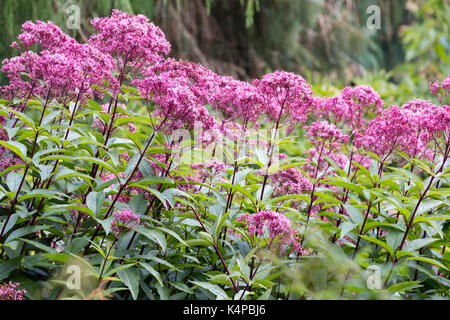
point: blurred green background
(326, 41)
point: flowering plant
(170, 181)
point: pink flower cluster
(61, 67)
(209, 168)
(324, 132)
(124, 220)
(200, 80)
(388, 132)
(350, 107)
(285, 94)
(130, 39)
(436, 86)
(407, 129)
(9, 291)
(238, 100)
(178, 105)
(290, 181)
(275, 225)
(46, 35)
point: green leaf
(118, 268)
(355, 214)
(42, 193)
(268, 189)
(159, 260)
(50, 117)
(158, 194)
(12, 221)
(145, 168)
(219, 224)
(130, 278)
(94, 201)
(9, 266)
(428, 260)
(213, 288)
(343, 182)
(27, 120)
(416, 244)
(181, 286)
(16, 147)
(106, 224)
(71, 159)
(346, 227)
(405, 286)
(380, 243)
(154, 235)
(131, 165)
(412, 176)
(151, 180)
(170, 194)
(428, 205)
(44, 171)
(265, 295)
(58, 257)
(24, 231)
(153, 272)
(262, 157)
(13, 181)
(138, 204)
(173, 234)
(39, 245)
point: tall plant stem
(123, 186)
(254, 271)
(27, 167)
(366, 216)
(235, 287)
(108, 130)
(309, 209)
(422, 197)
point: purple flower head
(446, 83)
(124, 220)
(285, 94)
(61, 74)
(426, 116)
(435, 87)
(441, 89)
(9, 291)
(274, 225)
(209, 169)
(46, 35)
(334, 109)
(238, 100)
(322, 131)
(130, 39)
(200, 80)
(290, 181)
(350, 107)
(364, 97)
(390, 131)
(51, 73)
(23, 73)
(96, 67)
(176, 103)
